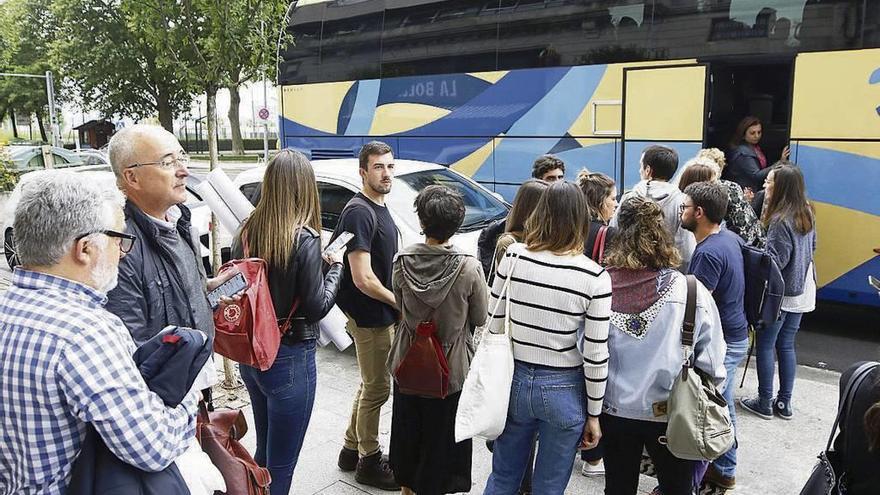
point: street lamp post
(50, 95)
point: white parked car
(201, 215)
(338, 180)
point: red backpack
(247, 331)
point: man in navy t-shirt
(717, 262)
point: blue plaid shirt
(65, 361)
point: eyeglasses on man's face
(168, 162)
(126, 241)
(683, 207)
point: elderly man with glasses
(64, 360)
(162, 282)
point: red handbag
(247, 331)
(599, 246)
(424, 370)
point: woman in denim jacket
(644, 343)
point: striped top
(559, 313)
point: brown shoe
(348, 460)
(373, 470)
(717, 479)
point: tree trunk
(234, 120)
(163, 108)
(42, 128)
(14, 125)
(213, 155)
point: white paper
(222, 197)
(333, 330)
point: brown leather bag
(218, 432)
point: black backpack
(765, 287)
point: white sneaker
(591, 471)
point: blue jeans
(736, 352)
(780, 336)
(282, 398)
(550, 403)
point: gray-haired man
(64, 360)
(163, 281)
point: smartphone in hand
(340, 242)
(231, 287)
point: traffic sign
(263, 113)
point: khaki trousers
(372, 345)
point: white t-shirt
(806, 302)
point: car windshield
(481, 207)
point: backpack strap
(849, 393)
(599, 245)
(690, 316)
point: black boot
(374, 471)
(348, 460)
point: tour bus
(485, 86)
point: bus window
(417, 39)
(351, 41)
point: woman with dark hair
(791, 239)
(284, 230)
(600, 191)
(696, 170)
(747, 162)
(435, 281)
(644, 342)
(523, 205)
(559, 302)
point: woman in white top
(560, 302)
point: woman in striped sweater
(560, 302)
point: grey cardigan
(793, 252)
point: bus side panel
(836, 137)
(842, 181)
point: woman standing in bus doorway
(559, 300)
(284, 230)
(435, 282)
(644, 342)
(791, 239)
(747, 162)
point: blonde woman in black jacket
(284, 230)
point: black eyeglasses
(126, 241)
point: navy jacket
(169, 363)
(744, 168)
(150, 294)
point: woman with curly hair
(644, 344)
(740, 218)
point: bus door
(662, 105)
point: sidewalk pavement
(775, 457)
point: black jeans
(623, 440)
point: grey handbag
(827, 477)
(699, 427)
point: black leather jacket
(303, 279)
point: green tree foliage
(8, 177)
(111, 63)
(27, 31)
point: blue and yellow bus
(485, 86)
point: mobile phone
(874, 281)
(343, 239)
(229, 288)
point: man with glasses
(65, 361)
(162, 282)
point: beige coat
(445, 282)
